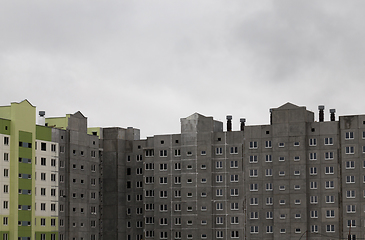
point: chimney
(332, 112)
(242, 120)
(42, 119)
(229, 123)
(321, 113)
(270, 116)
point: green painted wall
(5, 126)
(94, 129)
(43, 133)
(59, 122)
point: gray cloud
(148, 63)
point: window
(269, 201)
(282, 216)
(234, 178)
(219, 206)
(219, 220)
(312, 142)
(330, 213)
(43, 222)
(350, 179)
(314, 228)
(163, 180)
(43, 161)
(282, 230)
(296, 144)
(313, 199)
(219, 192)
(297, 215)
(163, 153)
(282, 202)
(92, 181)
(351, 208)
(328, 155)
(5, 221)
(177, 180)
(163, 166)
(313, 156)
(254, 201)
(163, 194)
(281, 173)
(219, 234)
(234, 150)
(329, 170)
(219, 165)
(269, 187)
(313, 171)
(314, 214)
(268, 158)
(268, 229)
(6, 172)
(43, 191)
(350, 150)
(53, 177)
(349, 135)
(6, 157)
(219, 178)
(282, 188)
(234, 192)
(218, 151)
(269, 215)
(253, 145)
(296, 172)
(43, 176)
(177, 166)
(268, 144)
(254, 229)
(43, 146)
(234, 234)
(281, 144)
(234, 164)
(178, 221)
(330, 199)
(350, 194)
(255, 215)
(350, 164)
(296, 187)
(268, 172)
(177, 152)
(328, 141)
(253, 159)
(6, 141)
(254, 187)
(177, 193)
(351, 223)
(330, 184)
(234, 206)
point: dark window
(129, 171)
(219, 139)
(267, 132)
(43, 146)
(129, 184)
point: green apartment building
(28, 177)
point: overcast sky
(147, 64)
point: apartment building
(291, 178)
(28, 177)
(295, 177)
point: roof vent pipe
(332, 112)
(42, 119)
(229, 123)
(321, 113)
(242, 120)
